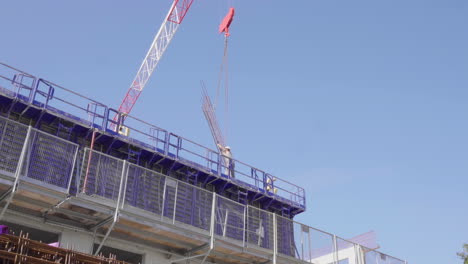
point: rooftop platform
(50, 107)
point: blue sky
(364, 103)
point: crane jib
(175, 16)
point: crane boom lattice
(164, 36)
(210, 116)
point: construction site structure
(20, 249)
(151, 196)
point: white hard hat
(228, 148)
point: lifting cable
(223, 71)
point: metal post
(212, 220)
(302, 242)
(89, 160)
(356, 254)
(225, 222)
(213, 205)
(175, 202)
(219, 167)
(124, 194)
(275, 238)
(245, 225)
(310, 245)
(117, 209)
(335, 251)
(72, 170)
(163, 199)
(14, 187)
(361, 255)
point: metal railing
(64, 102)
(50, 161)
(176, 202)
(13, 135)
(36, 156)
(101, 175)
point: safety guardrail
(52, 162)
(65, 102)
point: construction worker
(269, 184)
(227, 159)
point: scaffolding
(66, 182)
(77, 116)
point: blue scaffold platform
(75, 117)
(139, 183)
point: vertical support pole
(361, 255)
(244, 230)
(220, 168)
(335, 250)
(121, 189)
(302, 241)
(105, 118)
(89, 161)
(124, 190)
(163, 206)
(275, 238)
(166, 143)
(117, 208)
(225, 223)
(175, 202)
(50, 95)
(179, 146)
(17, 172)
(356, 254)
(212, 221)
(32, 94)
(72, 170)
(310, 245)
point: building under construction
(92, 180)
(149, 196)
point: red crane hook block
(226, 23)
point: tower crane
(174, 18)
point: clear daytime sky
(363, 103)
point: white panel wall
(76, 240)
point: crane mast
(164, 36)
